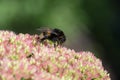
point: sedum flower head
(23, 57)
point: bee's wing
(44, 29)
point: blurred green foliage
(88, 24)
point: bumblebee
(57, 36)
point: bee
(57, 36)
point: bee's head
(60, 35)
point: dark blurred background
(90, 25)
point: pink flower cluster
(23, 57)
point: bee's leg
(55, 44)
(42, 40)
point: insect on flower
(30, 55)
(57, 36)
